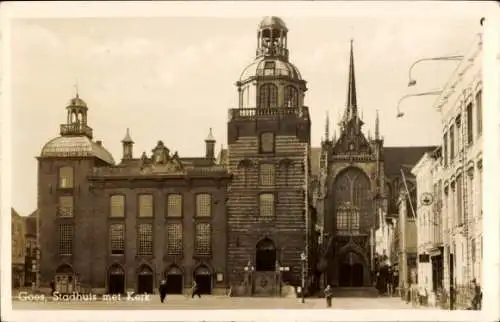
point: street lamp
(413, 82)
(248, 271)
(401, 114)
(303, 259)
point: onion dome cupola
(76, 136)
(271, 80)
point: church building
(358, 185)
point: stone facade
(461, 112)
(18, 248)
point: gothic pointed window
(352, 201)
(291, 96)
(268, 96)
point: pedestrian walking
(477, 296)
(389, 283)
(52, 287)
(196, 290)
(328, 295)
(163, 290)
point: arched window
(66, 177)
(291, 96)
(352, 200)
(268, 96)
(265, 257)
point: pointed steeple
(377, 127)
(352, 105)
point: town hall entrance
(145, 280)
(265, 257)
(175, 281)
(203, 279)
(116, 280)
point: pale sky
(173, 78)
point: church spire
(377, 127)
(352, 106)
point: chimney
(210, 146)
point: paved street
(216, 302)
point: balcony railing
(251, 113)
(75, 129)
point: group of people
(162, 289)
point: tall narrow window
(65, 207)
(458, 134)
(203, 205)
(203, 241)
(66, 177)
(459, 192)
(291, 96)
(452, 144)
(174, 205)
(480, 174)
(479, 113)
(266, 204)
(244, 168)
(117, 206)
(145, 240)
(145, 206)
(268, 96)
(470, 132)
(174, 238)
(445, 150)
(66, 239)
(117, 239)
(267, 174)
(267, 142)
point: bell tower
(76, 119)
(268, 156)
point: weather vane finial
(76, 89)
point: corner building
(112, 228)
(268, 154)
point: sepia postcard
(250, 161)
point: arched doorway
(145, 280)
(351, 272)
(116, 280)
(265, 257)
(175, 280)
(203, 278)
(64, 279)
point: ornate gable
(352, 140)
(162, 162)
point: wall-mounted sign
(426, 199)
(220, 277)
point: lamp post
(303, 260)
(413, 82)
(401, 114)
(248, 271)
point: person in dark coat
(52, 287)
(328, 295)
(163, 290)
(477, 297)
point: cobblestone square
(219, 302)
